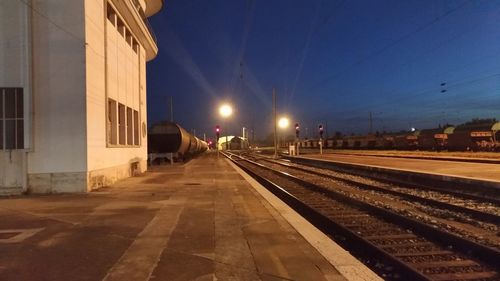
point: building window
(135, 47)
(130, 140)
(112, 122)
(121, 124)
(123, 120)
(111, 15)
(11, 118)
(128, 38)
(117, 22)
(136, 127)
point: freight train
(471, 136)
(168, 137)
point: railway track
(475, 209)
(477, 218)
(484, 192)
(470, 218)
(392, 244)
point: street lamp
(283, 123)
(225, 110)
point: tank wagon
(169, 137)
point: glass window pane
(121, 123)
(129, 126)
(1, 134)
(136, 127)
(20, 134)
(112, 125)
(19, 103)
(1, 104)
(111, 15)
(10, 134)
(10, 103)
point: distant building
(73, 92)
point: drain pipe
(28, 119)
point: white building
(73, 92)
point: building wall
(57, 161)
(113, 71)
(14, 72)
(59, 111)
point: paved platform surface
(199, 221)
(479, 171)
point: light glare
(225, 110)
(283, 122)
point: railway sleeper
(484, 275)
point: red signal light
(217, 131)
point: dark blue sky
(331, 62)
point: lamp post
(283, 123)
(297, 142)
(225, 110)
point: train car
(330, 143)
(442, 138)
(426, 140)
(475, 136)
(385, 141)
(407, 141)
(238, 143)
(372, 142)
(169, 137)
(352, 141)
(339, 143)
(434, 139)
(306, 143)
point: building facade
(73, 92)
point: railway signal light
(297, 131)
(320, 128)
(217, 132)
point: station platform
(454, 156)
(203, 220)
(485, 172)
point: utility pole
(171, 120)
(274, 120)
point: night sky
(410, 63)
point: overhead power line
(394, 43)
